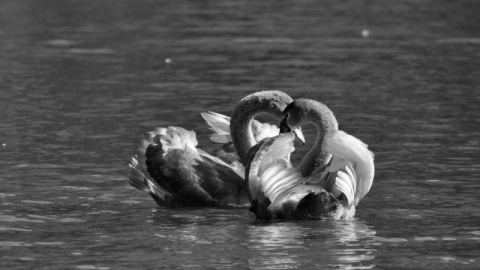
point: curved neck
(266, 102)
(242, 134)
(326, 123)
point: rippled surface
(82, 80)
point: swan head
(284, 128)
(303, 111)
(269, 101)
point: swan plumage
(220, 125)
(175, 172)
(170, 167)
(278, 191)
(328, 189)
(350, 156)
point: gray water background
(81, 81)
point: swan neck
(241, 132)
(325, 123)
(243, 116)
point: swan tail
(220, 125)
(353, 161)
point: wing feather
(264, 130)
(347, 148)
(270, 169)
(220, 125)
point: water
(81, 81)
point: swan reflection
(358, 246)
(347, 244)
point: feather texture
(169, 166)
(352, 157)
(220, 125)
(170, 157)
(343, 176)
(277, 190)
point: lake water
(81, 81)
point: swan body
(328, 183)
(176, 173)
(278, 191)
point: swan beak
(284, 128)
(299, 133)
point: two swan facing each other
(327, 184)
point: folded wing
(352, 166)
(173, 171)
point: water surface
(81, 81)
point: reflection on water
(343, 245)
(352, 255)
(80, 82)
(233, 238)
(273, 243)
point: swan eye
(287, 115)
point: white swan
(337, 172)
(169, 166)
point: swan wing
(220, 125)
(176, 173)
(269, 169)
(277, 190)
(222, 181)
(138, 173)
(166, 157)
(339, 178)
(179, 138)
(352, 165)
(139, 180)
(234, 165)
(264, 130)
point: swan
(169, 166)
(329, 181)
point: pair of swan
(252, 167)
